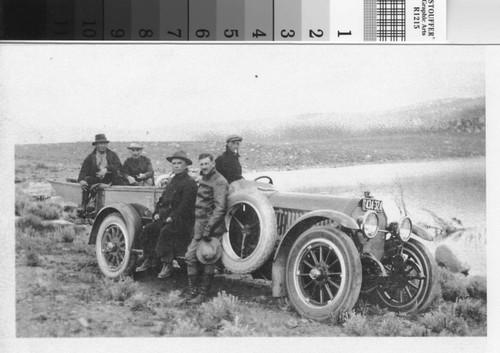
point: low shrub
(393, 325)
(21, 200)
(472, 310)
(187, 327)
(445, 323)
(235, 329)
(44, 210)
(32, 258)
(138, 302)
(222, 307)
(357, 325)
(118, 290)
(40, 165)
(453, 285)
(66, 234)
(476, 287)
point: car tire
(251, 232)
(113, 243)
(323, 273)
(411, 293)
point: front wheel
(323, 273)
(113, 244)
(412, 283)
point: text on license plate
(372, 205)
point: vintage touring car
(320, 251)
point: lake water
(449, 188)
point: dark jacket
(90, 169)
(135, 166)
(177, 201)
(211, 202)
(228, 164)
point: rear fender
(131, 214)
(305, 222)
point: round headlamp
(404, 229)
(369, 224)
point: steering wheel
(269, 180)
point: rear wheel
(113, 243)
(323, 273)
(412, 284)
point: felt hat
(232, 138)
(135, 145)
(180, 155)
(100, 138)
(209, 252)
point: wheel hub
(318, 274)
(110, 246)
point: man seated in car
(138, 169)
(102, 166)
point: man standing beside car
(173, 218)
(101, 166)
(137, 168)
(228, 163)
(210, 206)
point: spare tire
(251, 232)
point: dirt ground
(60, 291)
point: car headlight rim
(370, 230)
(405, 226)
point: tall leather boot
(206, 281)
(192, 289)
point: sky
(64, 93)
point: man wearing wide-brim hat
(100, 166)
(138, 169)
(173, 219)
(211, 203)
(228, 163)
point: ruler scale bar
(334, 21)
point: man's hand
(102, 173)
(84, 184)
(130, 179)
(206, 235)
(169, 220)
(156, 216)
(141, 176)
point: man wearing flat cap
(173, 218)
(210, 211)
(138, 169)
(228, 163)
(101, 166)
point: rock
(447, 258)
(83, 321)
(261, 298)
(292, 323)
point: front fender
(130, 213)
(421, 232)
(301, 225)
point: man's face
(178, 165)
(102, 147)
(206, 165)
(234, 145)
(135, 152)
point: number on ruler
(117, 33)
(176, 33)
(343, 33)
(89, 32)
(317, 34)
(289, 34)
(230, 33)
(145, 33)
(203, 33)
(258, 33)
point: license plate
(372, 205)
